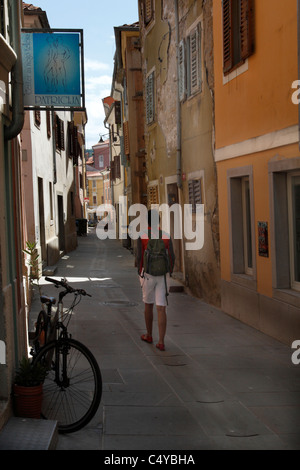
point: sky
(97, 18)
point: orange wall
(258, 101)
(259, 163)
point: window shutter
(118, 112)
(112, 171)
(37, 117)
(227, 36)
(62, 134)
(153, 195)
(194, 60)
(48, 120)
(56, 124)
(181, 70)
(126, 138)
(246, 28)
(150, 98)
(70, 139)
(195, 193)
(148, 11)
(117, 166)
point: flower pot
(28, 401)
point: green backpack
(156, 259)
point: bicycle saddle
(48, 300)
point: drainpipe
(178, 157)
(17, 121)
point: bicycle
(72, 389)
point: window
(241, 219)
(190, 64)
(59, 133)
(294, 228)
(48, 120)
(195, 193)
(150, 108)
(153, 196)
(285, 226)
(147, 11)
(101, 161)
(247, 231)
(238, 32)
(51, 200)
(37, 118)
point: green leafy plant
(30, 374)
(32, 260)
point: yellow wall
(258, 101)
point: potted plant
(28, 389)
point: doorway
(42, 220)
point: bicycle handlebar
(63, 283)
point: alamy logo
(188, 226)
(296, 354)
(2, 92)
(2, 353)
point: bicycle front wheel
(73, 387)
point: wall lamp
(115, 136)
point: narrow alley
(220, 384)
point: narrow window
(247, 225)
(51, 201)
(238, 32)
(195, 193)
(150, 98)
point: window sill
(288, 296)
(244, 280)
(234, 73)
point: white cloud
(91, 83)
(90, 64)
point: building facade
(258, 163)
(177, 61)
(13, 331)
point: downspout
(17, 121)
(178, 114)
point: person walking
(155, 259)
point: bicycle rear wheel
(73, 387)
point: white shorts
(154, 290)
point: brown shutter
(247, 28)
(37, 117)
(148, 11)
(126, 138)
(118, 112)
(227, 35)
(48, 119)
(153, 195)
(62, 134)
(56, 125)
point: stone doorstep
(29, 434)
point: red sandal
(147, 338)
(160, 346)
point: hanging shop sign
(53, 74)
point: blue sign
(52, 69)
